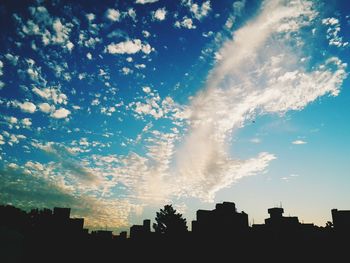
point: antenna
(280, 204)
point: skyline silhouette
(135, 104)
(44, 233)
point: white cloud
(113, 14)
(129, 47)
(185, 23)
(61, 36)
(199, 11)
(13, 166)
(299, 142)
(126, 71)
(45, 107)
(35, 166)
(139, 66)
(259, 52)
(146, 34)
(53, 94)
(132, 13)
(60, 113)
(12, 120)
(90, 17)
(145, 1)
(333, 32)
(26, 122)
(25, 106)
(255, 140)
(146, 89)
(69, 46)
(159, 14)
(12, 59)
(89, 56)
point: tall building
(141, 231)
(341, 220)
(223, 220)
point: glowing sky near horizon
(119, 108)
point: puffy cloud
(90, 16)
(185, 23)
(146, 34)
(132, 13)
(129, 47)
(51, 30)
(199, 11)
(89, 56)
(159, 14)
(27, 122)
(12, 59)
(145, 1)
(12, 120)
(333, 32)
(61, 32)
(60, 113)
(299, 142)
(53, 93)
(113, 14)
(25, 106)
(146, 89)
(126, 70)
(45, 107)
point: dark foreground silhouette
(219, 235)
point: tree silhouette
(169, 222)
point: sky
(118, 108)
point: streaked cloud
(299, 142)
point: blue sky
(119, 108)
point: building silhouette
(341, 220)
(52, 235)
(223, 220)
(141, 231)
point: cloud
(25, 106)
(199, 11)
(66, 161)
(129, 47)
(113, 14)
(37, 185)
(60, 113)
(51, 30)
(185, 23)
(90, 17)
(333, 32)
(45, 107)
(53, 93)
(299, 142)
(12, 59)
(145, 1)
(259, 52)
(255, 140)
(27, 122)
(159, 14)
